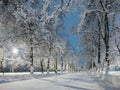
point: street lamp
(15, 51)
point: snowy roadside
(11, 77)
(69, 81)
(113, 78)
(113, 73)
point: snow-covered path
(71, 81)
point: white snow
(112, 77)
(67, 81)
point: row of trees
(31, 26)
(100, 33)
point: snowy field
(66, 81)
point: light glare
(15, 51)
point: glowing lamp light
(15, 50)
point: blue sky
(71, 20)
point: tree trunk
(56, 63)
(61, 65)
(65, 67)
(107, 40)
(42, 70)
(106, 32)
(31, 56)
(48, 67)
(31, 47)
(117, 45)
(99, 45)
(1, 66)
(107, 56)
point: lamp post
(15, 52)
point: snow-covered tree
(96, 30)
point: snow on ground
(112, 77)
(115, 73)
(67, 81)
(20, 76)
